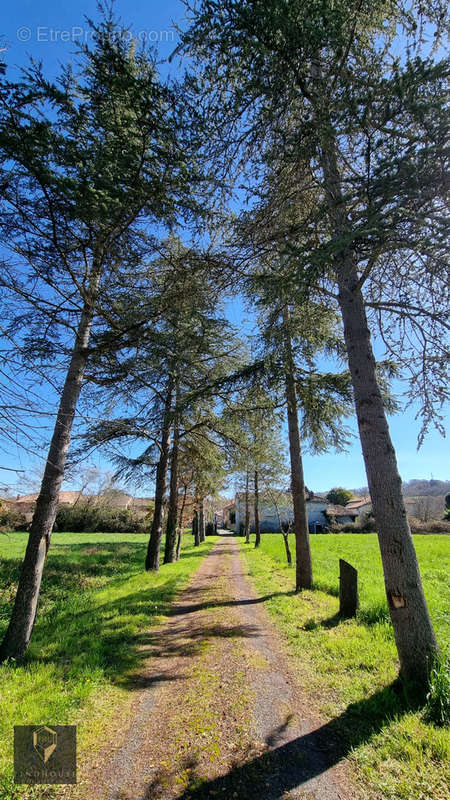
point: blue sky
(49, 31)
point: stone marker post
(348, 589)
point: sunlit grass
(348, 668)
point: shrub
(83, 517)
(438, 697)
(363, 524)
(447, 506)
(209, 529)
(339, 496)
(12, 520)
(366, 523)
(432, 526)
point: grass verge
(348, 668)
(96, 604)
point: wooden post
(348, 589)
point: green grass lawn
(348, 668)
(96, 604)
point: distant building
(341, 514)
(362, 505)
(25, 504)
(65, 499)
(234, 513)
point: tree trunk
(154, 544)
(170, 550)
(18, 635)
(247, 512)
(287, 548)
(303, 566)
(180, 523)
(195, 529)
(201, 521)
(178, 544)
(256, 508)
(414, 635)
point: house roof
(27, 498)
(115, 500)
(64, 497)
(341, 511)
(310, 497)
(357, 502)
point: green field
(96, 605)
(348, 668)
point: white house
(234, 513)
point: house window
(232, 517)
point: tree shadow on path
(293, 764)
(248, 601)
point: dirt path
(217, 712)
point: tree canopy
(339, 496)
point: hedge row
(83, 518)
